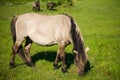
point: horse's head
(80, 60)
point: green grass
(99, 22)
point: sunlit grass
(99, 22)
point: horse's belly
(43, 40)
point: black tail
(13, 28)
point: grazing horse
(47, 30)
(50, 5)
(36, 5)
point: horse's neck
(79, 44)
(76, 36)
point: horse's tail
(78, 43)
(13, 30)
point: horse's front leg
(62, 56)
(55, 64)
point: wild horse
(47, 30)
(36, 5)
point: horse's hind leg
(12, 58)
(14, 51)
(27, 51)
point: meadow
(99, 22)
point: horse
(36, 5)
(48, 30)
(50, 5)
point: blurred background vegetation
(58, 2)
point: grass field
(99, 22)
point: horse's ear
(74, 51)
(87, 49)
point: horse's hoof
(81, 73)
(11, 65)
(55, 66)
(30, 64)
(64, 70)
